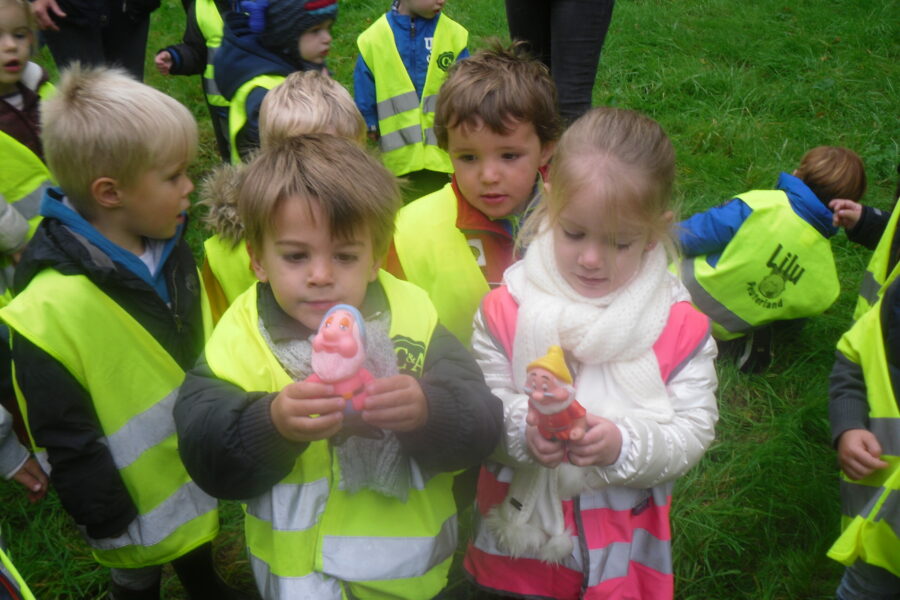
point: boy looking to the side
(330, 516)
(403, 60)
(108, 314)
(264, 42)
(497, 118)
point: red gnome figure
(552, 398)
(339, 351)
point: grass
(743, 88)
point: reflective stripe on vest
(230, 265)
(436, 257)
(406, 123)
(760, 278)
(870, 507)
(11, 582)
(876, 278)
(306, 527)
(24, 179)
(209, 22)
(237, 111)
(57, 313)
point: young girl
(589, 517)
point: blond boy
(496, 116)
(306, 102)
(331, 516)
(107, 317)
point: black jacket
(61, 415)
(94, 13)
(232, 450)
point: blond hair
(625, 161)
(351, 188)
(30, 19)
(103, 123)
(497, 87)
(309, 102)
(833, 172)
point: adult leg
(125, 43)
(529, 20)
(199, 578)
(578, 29)
(74, 43)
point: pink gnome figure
(339, 351)
(551, 397)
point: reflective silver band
(858, 499)
(429, 103)
(143, 432)
(29, 206)
(396, 105)
(622, 498)
(887, 430)
(613, 561)
(314, 586)
(400, 138)
(709, 305)
(291, 506)
(869, 288)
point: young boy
(305, 102)
(765, 256)
(328, 515)
(497, 118)
(865, 424)
(403, 60)
(194, 56)
(106, 318)
(265, 42)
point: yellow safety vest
(777, 267)
(876, 278)
(237, 112)
(230, 265)
(133, 383)
(405, 122)
(870, 507)
(10, 576)
(209, 21)
(436, 257)
(307, 538)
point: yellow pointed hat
(554, 362)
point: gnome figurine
(551, 396)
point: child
(306, 102)
(497, 117)
(403, 60)
(264, 43)
(765, 256)
(864, 413)
(194, 56)
(589, 517)
(106, 318)
(330, 516)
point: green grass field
(743, 88)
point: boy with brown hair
(108, 315)
(331, 515)
(765, 256)
(497, 118)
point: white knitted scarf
(611, 338)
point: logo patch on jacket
(410, 355)
(783, 268)
(445, 60)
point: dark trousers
(120, 42)
(567, 36)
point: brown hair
(496, 86)
(625, 160)
(314, 169)
(833, 172)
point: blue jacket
(413, 38)
(710, 231)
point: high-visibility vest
(133, 383)
(209, 21)
(231, 266)
(237, 111)
(777, 267)
(436, 257)
(405, 122)
(11, 582)
(870, 507)
(877, 278)
(307, 538)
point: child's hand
(600, 445)
(859, 453)
(846, 213)
(547, 452)
(32, 476)
(396, 403)
(306, 412)
(163, 62)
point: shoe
(758, 349)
